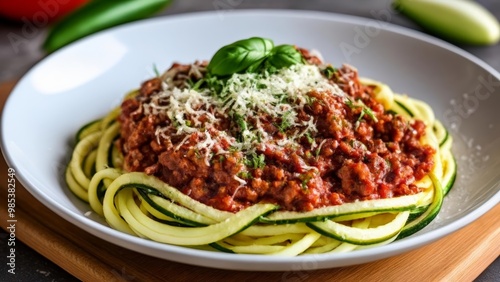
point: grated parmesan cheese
(244, 97)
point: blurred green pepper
(98, 15)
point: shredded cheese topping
(244, 98)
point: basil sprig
(253, 55)
(283, 56)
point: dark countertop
(17, 56)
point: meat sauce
(364, 152)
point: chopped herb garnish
(329, 71)
(285, 122)
(155, 69)
(310, 100)
(245, 175)
(370, 112)
(305, 178)
(365, 110)
(317, 152)
(309, 154)
(282, 98)
(255, 161)
(198, 84)
(241, 122)
(197, 153)
(309, 138)
(351, 104)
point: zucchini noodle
(145, 206)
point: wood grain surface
(461, 256)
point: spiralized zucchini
(145, 206)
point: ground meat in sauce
(377, 156)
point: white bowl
(85, 80)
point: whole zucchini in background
(459, 21)
(98, 15)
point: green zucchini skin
(221, 248)
(428, 216)
(177, 217)
(398, 204)
(88, 128)
(447, 187)
(403, 106)
(361, 237)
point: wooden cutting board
(461, 256)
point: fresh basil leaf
(256, 66)
(283, 56)
(239, 56)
